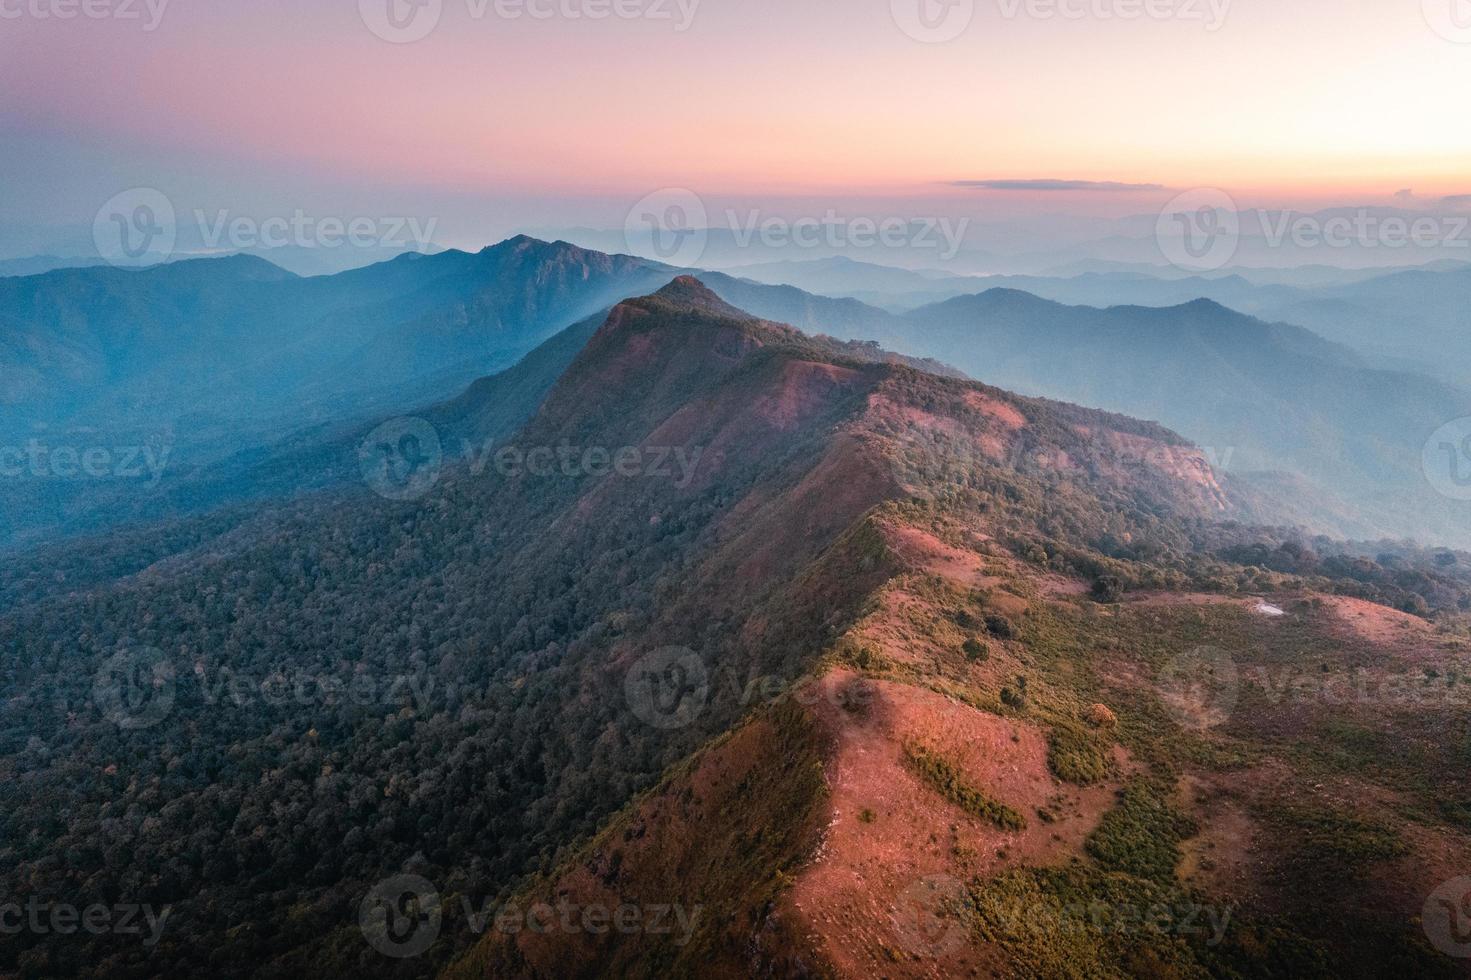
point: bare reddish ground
(922, 550)
(970, 569)
(1378, 624)
(995, 408)
(908, 626)
(885, 411)
(866, 869)
(911, 629)
(882, 406)
(897, 629)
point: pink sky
(1307, 102)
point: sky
(495, 120)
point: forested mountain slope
(453, 681)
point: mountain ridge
(714, 489)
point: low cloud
(1054, 185)
(1457, 201)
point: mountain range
(1409, 319)
(257, 382)
(210, 359)
(1282, 411)
(862, 667)
(227, 342)
(1263, 398)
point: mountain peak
(689, 291)
(999, 293)
(994, 299)
(527, 243)
(234, 266)
(1210, 306)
